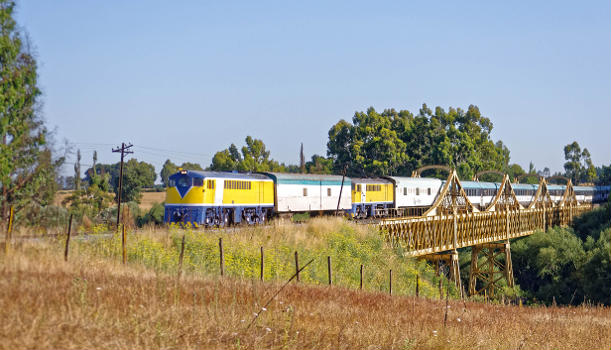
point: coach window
(417, 191)
(328, 192)
(305, 191)
(429, 191)
(405, 191)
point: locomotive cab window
(184, 181)
(198, 182)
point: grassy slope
(93, 302)
(349, 245)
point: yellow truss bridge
(453, 222)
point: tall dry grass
(348, 244)
(95, 302)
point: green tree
(224, 161)
(603, 175)
(168, 169)
(27, 166)
(398, 142)
(191, 166)
(578, 166)
(548, 265)
(369, 146)
(253, 157)
(94, 198)
(569, 265)
(597, 269)
(514, 170)
(77, 171)
(319, 165)
(136, 175)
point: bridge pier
(492, 270)
(450, 259)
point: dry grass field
(95, 302)
(146, 202)
(150, 198)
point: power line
(173, 151)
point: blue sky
(185, 79)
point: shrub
(154, 216)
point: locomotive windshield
(183, 181)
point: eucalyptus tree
(27, 165)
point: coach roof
(308, 179)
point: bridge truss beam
(496, 266)
(449, 259)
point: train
(218, 199)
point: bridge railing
(432, 234)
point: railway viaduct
(453, 222)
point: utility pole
(339, 200)
(124, 149)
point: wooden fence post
(68, 239)
(297, 265)
(390, 282)
(123, 245)
(181, 256)
(262, 263)
(329, 268)
(361, 285)
(222, 258)
(445, 316)
(9, 229)
(417, 285)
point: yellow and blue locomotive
(218, 198)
